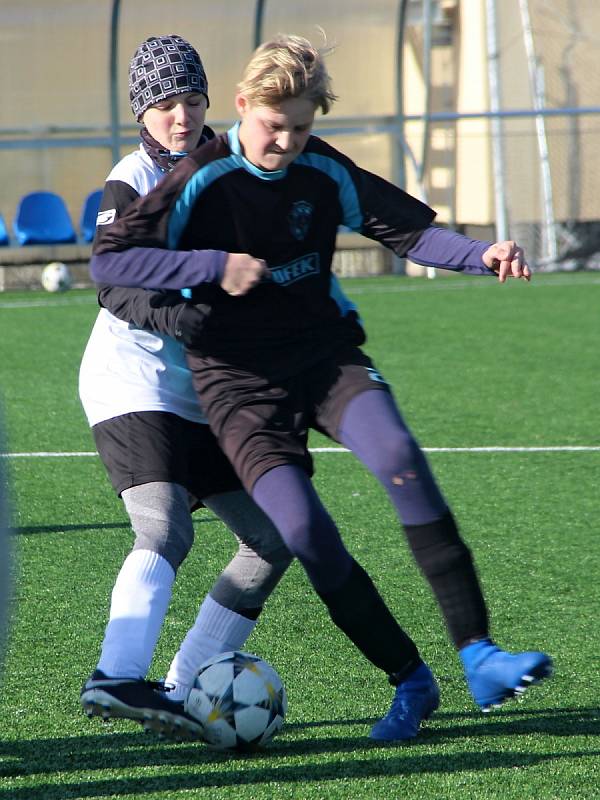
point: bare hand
(507, 260)
(242, 273)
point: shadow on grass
(90, 526)
(508, 721)
(129, 752)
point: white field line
(67, 301)
(493, 449)
(453, 284)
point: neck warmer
(163, 158)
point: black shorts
(261, 424)
(149, 446)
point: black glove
(190, 324)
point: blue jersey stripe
(205, 176)
(347, 191)
(198, 183)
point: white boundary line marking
(540, 449)
(471, 283)
(73, 301)
(493, 449)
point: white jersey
(126, 369)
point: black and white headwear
(161, 67)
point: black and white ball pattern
(239, 700)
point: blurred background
(489, 111)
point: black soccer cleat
(139, 700)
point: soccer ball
(239, 700)
(56, 277)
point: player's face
(177, 122)
(272, 137)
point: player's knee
(173, 542)
(170, 534)
(399, 461)
(248, 579)
(161, 521)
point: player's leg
(145, 455)
(287, 496)
(374, 430)
(383, 442)
(229, 613)
(262, 430)
(140, 447)
(161, 521)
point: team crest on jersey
(299, 219)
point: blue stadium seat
(43, 218)
(3, 232)
(89, 212)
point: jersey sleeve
(152, 310)
(439, 247)
(390, 215)
(155, 268)
(130, 244)
(156, 311)
(385, 213)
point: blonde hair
(287, 67)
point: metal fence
(484, 109)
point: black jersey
(217, 200)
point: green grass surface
(473, 364)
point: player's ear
(241, 104)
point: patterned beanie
(161, 67)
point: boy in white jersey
(151, 435)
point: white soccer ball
(239, 700)
(56, 277)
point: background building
(488, 110)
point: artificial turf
(473, 365)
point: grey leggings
(161, 520)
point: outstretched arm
(439, 247)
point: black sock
(359, 611)
(446, 562)
(249, 613)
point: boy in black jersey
(273, 362)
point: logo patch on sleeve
(375, 376)
(106, 217)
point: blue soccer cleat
(416, 698)
(494, 675)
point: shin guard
(445, 560)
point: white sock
(140, 599)
(217, 629)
